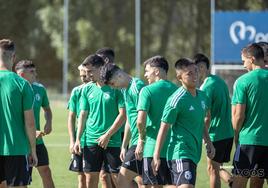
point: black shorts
(42, 155)
(105, 167)
(183, 171)
(2, 169)
(131, 163)
(163, 176)
(251, 161)
(76, 163)
(95, 156)
(223, 150)
(15, 170)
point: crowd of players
(164, 125)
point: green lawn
(57, 145)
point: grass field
(57, 145)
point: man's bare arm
(31, 131)
(71, 129)
(238, 117)
(141, 125)
(48, 119)
(80, 128)
(118, 122)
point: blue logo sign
(235, 30)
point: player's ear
(120, 75)
(178, 75)
(252, 58)
(20, 73)
(156, 72)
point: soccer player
(250, 120)
(108, 55)
(220, 128)
(184, 111)
(115, 77)
(264, 46)
(103, 112)
(17, 135)
(27, 70)
(74, 111)
(152, 100)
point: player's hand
(103, 140)
(139, 150)
(77, 148)
(47, 128)
(210, 150)
(123, 154)
(39, 134)
(71, 147)
(32, 158)
(155, 165)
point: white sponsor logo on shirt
(106, 96)
(191, 108)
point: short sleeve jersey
(74, 106)
(40, 100)
(185, 114)
(103, 104)
(16, 96)
(152, 100)
(220, 108)
(251, 89)
(131, 97)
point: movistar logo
(240, 31)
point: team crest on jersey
(188, 175)
(37, 97)
(203, 105)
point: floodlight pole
(212, 14)
(65, 49)
(137, 38)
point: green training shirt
(131, 97)
(102, 103)
(152, 99)
(220, 103)
(185, 114)
(74, 106)
(251, 89)
(16, 96)
(40, 100)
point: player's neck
(100, 83)
(191, 90)
(258, 65)
(204, 77)
(161, 77)
(3, 66)
(128, 79)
